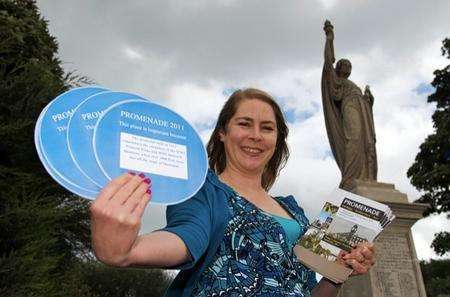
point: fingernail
(149, 191)
(131, 173)
(147, 181)
(141, 175)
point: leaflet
(345, 221)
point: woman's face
(250, 137)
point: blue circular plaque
(52, 137)
(141, 136)
(71, 187)
(81, 129)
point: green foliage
(430, 172)
(44, 230)
(91, 279)
(109, 282)
(41, 238)
(441, 243)
(436, 276)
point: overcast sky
(189, 55)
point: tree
(430, 172)
(436, 276)
(109, 282)
(44, 230)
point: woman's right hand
(116, 217)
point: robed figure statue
(348, 119)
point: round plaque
(81, 129)
(71, 187)
(52, 138)
(145, 137)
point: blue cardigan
(201, 222)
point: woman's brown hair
(216, 149)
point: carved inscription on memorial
(394, 273)
(356, 286)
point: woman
(231, 238)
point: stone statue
(348, 119)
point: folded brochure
(345, 221)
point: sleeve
(332, 82)
(191, 221)
(312, 280)
(299, 213)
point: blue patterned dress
(254, 259)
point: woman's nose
(255, 134)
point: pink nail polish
(131, 173)
(141, 175)
(149, 191)
(147, 181)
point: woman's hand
(116, 217)
(360, 259)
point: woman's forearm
(159, 249)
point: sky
(191, 55)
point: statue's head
(343, 68)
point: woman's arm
(160, 249)
(116, 219)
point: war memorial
(351, 134)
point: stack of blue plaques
(88, 136)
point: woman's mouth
(252, 150)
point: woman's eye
(244, 124)
(268, 128)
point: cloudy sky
(189, 55)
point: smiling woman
(250, 101)
(232, 238)
(250, 137)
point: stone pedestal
(397, 270)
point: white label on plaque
(144, 154)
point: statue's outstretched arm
(329, 74)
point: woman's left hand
(360, 259)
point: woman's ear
(221, 135)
